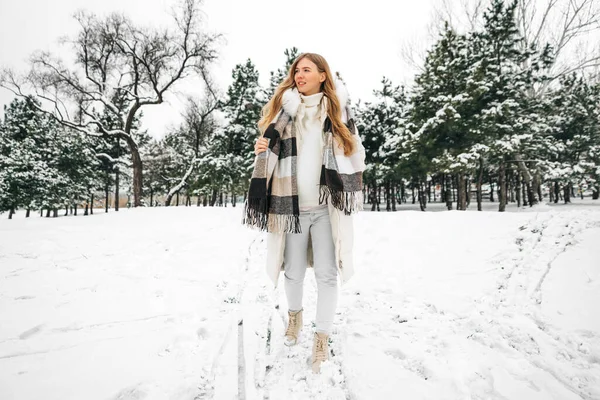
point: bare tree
(115, 57)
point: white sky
(361, 40)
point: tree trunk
(422, 198)
(567, 193)
(136, 163)
(117, 189)
(48, 213)
(525, 197)
(461, 192)
(527, 178)
(28, 212)
(402, 192)
(213, 198)
(233, 200)
(388, 202)
(479, 183)
(151, 197)
(55, 213)
(502, 184)
(10, 213)
(75, 209)
(177, 199)
(530, 195)
(518, 189)
(169, 199)
(92, 205)
(468, 192)
(429, 191)
(511, 187)
(443, 189)
(448, 191)
(492, 192)
(596, 193)
(394, 188)
(106, 195)
(85, 212)
(535, 185)
(539, 189)
(66, 211)
(373, 195)
(454, 187)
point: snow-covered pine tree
(442, 116)
(509, 118)
(242, 108)
(43, 166)
(573, 154)
(380, 125)
(278, 76)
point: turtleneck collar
(312, 100)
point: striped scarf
(272, 202)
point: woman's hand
(260, 146)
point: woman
(306, 184)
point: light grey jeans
(295, 260)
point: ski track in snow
(541, 241)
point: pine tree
(380, 125)
(442, 114)
(42, 164)
(573, 151)
(278, 76)
(235, 142)
(509, 116)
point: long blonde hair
(334, 110)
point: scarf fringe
(284, 223)
(348, 202)
(256, 216)
(255, 213)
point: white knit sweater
(309, 127)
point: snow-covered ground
(147, 304)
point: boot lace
(292, 326)
(321, 353)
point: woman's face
(308, 78)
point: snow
(147, 303)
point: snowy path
(146, 304)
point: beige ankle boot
(320, 351)
(294, 326)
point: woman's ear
(322, 77)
